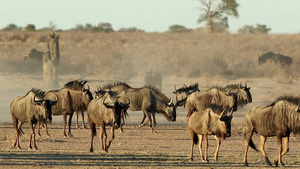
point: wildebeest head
(225, 125)
(118, 108)
(233, 103)
(245, 94)
(182, 93)
(45, 108)
(87, 96)
(171, 110)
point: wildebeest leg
(112, 138)
(93, 133)
(39, 124)
(32, 136)
(218, 147)
(286, 148)
(70, 121)
(46, 129)
(144, 117)
(200, 147)
(248, 134)
(103, 137)
(206, 147)
(15, 122)
(262, 149)
(279, 142)
(19, 128)
(65, 123)
(82, 116)
(77, 116)
(154, 119)
(193, 135)
(148, 120)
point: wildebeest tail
(251, 144)
(196, 138)
(93, 129)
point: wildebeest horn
(221, 115)
(175, 88)
(54, 102)
(37, 101)
(124, 105)
(170, 102)
(108, 105)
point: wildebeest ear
(298, 108)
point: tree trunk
(51, 63)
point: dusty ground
(138, 147)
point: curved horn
(175, 87)
(107, 104)
(125, 105)
(37, 101)
(221, 115)
(54, 102)
(185, 85)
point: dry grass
(190, 54)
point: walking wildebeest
(215, 99)
(148, 105)
(275, 58)
(149, 102)
(72, 97)
(206, 122)
(243, 93)
(280, 119)
(105, 111)
(80, 100)
(27, 109)
(182, 94)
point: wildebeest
(154, 79)
(280, 119)
(206, 122)
(214, 98)
(35, 55)
(182, 94)
(105, 111)
(28, 109)
(275, 58)
(147, 101)
(73, 97)
(243, 93)
(80, 100)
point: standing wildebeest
(119, 87)
(275, 58)
(154, 79)
(28, 109)
(214, 98)
(72, 97)
(105, 111)
(149, 102)
(206, 122)
(280, 119)
(80, 100)
(243, 93)
(182, 94)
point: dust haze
(181, 58)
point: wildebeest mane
(76, 84)
(158, 92)
(38, 92)
(107, 86)
(191, 87)
(289, 98)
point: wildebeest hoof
(205, 161)
(246, 165)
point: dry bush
(190, 54)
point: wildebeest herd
(209, 112)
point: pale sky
(282, 16)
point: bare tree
(51, 62)
(215, 11)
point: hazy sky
(282, 16)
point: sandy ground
(138, 147)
